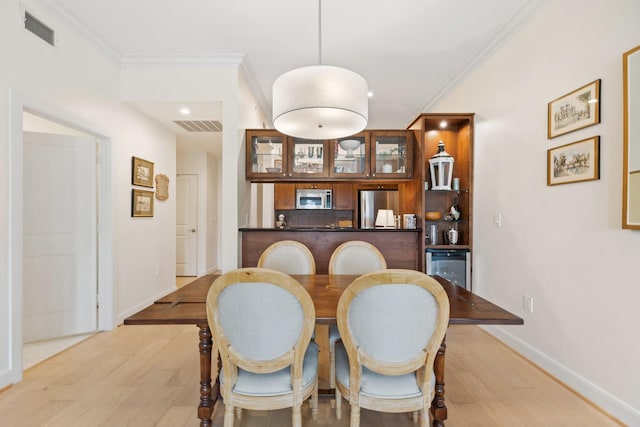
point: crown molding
(247, 72)
(62, 13)
(513, 25)
(178, 60)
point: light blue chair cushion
(392, 323)
(262, 321)
(377, 385)
(279, 382)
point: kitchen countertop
(330, 229)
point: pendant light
(320, 101)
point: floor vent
(200, 125)
(38, 28)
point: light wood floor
(184, 280)
(148, 376)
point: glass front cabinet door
(308, 158)
(391, 154)
(349, 157)
(266, 154)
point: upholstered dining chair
(262, 321)
(392, 323)
(356, 257)
(288, 256)
(353, 257)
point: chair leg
(296, 417)
(314, 402)
(424, 418)
(332, 364)
(238, 413)
(338, 404)
(415, 416)
(355, 416)
(228, 415)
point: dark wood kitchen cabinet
(284, 195)
(369, 155)
(266, 155)
(343, 196)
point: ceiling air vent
(200, 125)
(38, 28)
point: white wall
(562, 245)
(213, 214)
(252, 116)
(75, 81)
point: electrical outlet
(497, 220)
(527, 303)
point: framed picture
(575, 110)
(141, 203)
(141, 172)
(575, 162)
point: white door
(186, 220)
(60, 241)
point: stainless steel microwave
(309, 198)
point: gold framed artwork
(631, 139)
(141, 203)
(575, 162)
(575, 110)
(141, 172)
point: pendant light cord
(319, 32)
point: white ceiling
(411, 52)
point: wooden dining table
(186, 306)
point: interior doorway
(186, 225)
(24, 110)
(60, 241)
(60, 234)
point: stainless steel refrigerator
(372, 200)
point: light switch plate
(497, 220)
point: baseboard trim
(146, 303)
(599, 397)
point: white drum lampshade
(385, 219)
(441, 168)
(320, 102)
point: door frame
(200, 221)
(19, 102)
(198, 224)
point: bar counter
(352, 229)
(401, 247)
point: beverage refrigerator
(452, 264)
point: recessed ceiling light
(185, 111)
(369, 94)
(443, 124)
